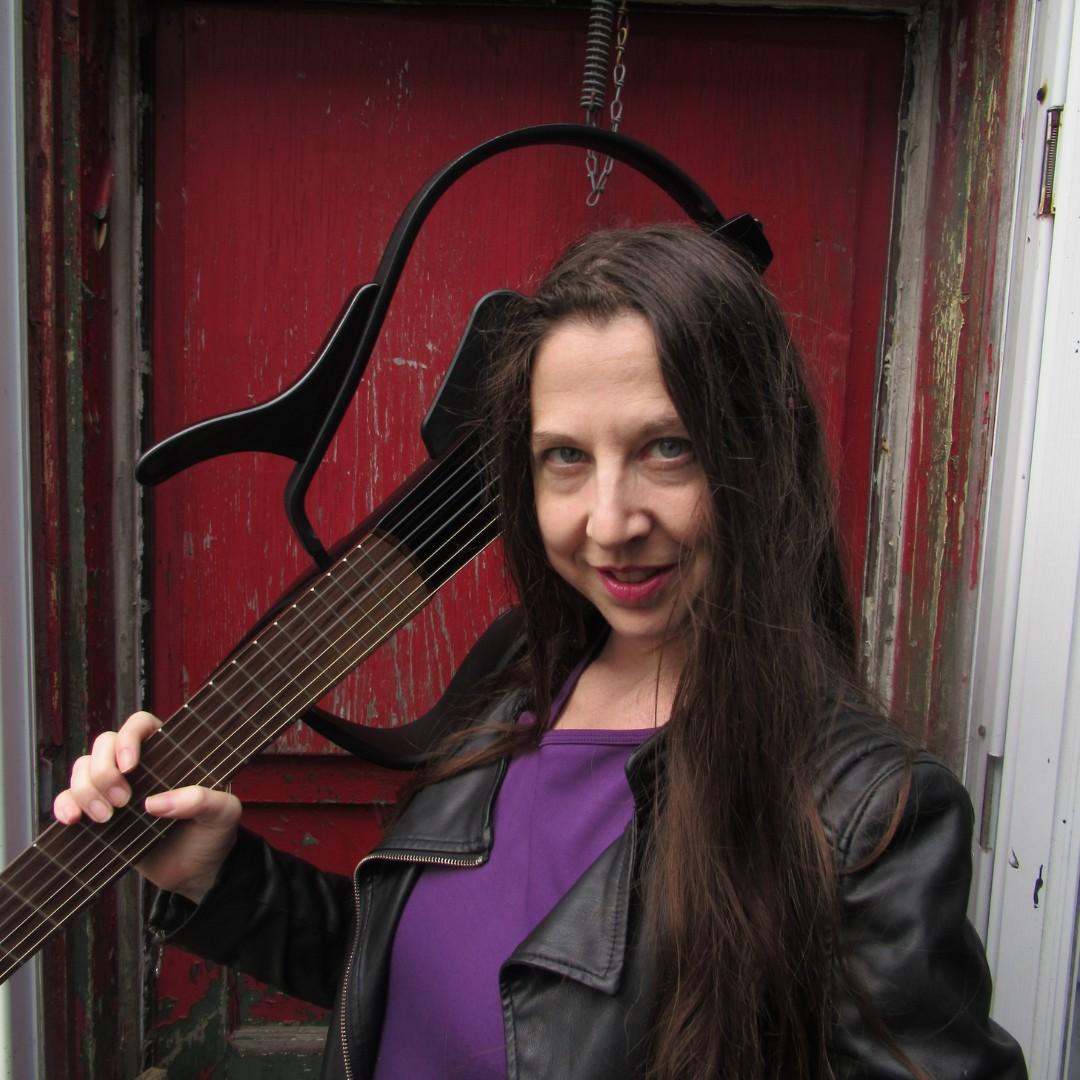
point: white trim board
(1032, 902)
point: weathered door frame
(19, 1012)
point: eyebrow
(543, 440)
(655, 428)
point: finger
(105, 775)
(200, 804)
(65, 809)
(132, 734)
(85, 794)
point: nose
(616, 514)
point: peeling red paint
(261, 1005)
(956, 370)
(192, 978)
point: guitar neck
(317, 636)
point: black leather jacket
(577, 994)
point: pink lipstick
(634, 584)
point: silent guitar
(361, 591)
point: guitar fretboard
(312, 641)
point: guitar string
(108, 873)
(295, 680)
(284, 631)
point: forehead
(584, 369)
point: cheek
(554, 519)
(689, 519)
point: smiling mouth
(634, 584)
(634, 573)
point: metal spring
(597, 50)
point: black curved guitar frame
(301, 421)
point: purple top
(559, 807)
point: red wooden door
(287, 140)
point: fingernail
(119, 795)
(159, 804)
(100, 811)
(125, 759)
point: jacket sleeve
(906, 948)
(269, 915)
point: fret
(188, 710)
(43, 894)
(101, 834)
(365, 620)
(15, 954)
(266, 710)
(255, 684)
(198, 743)
(194, 766)
(373, 571)
(204, 710)
(273, 660)
(28, 905)
(401, 581)
(24, 925)
(298, 646)
(331, 643)
(163, 785)
(165, 735)
(234, 711)
(55, 861)
(349, 629)
(188, 734)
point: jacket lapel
(584, 936)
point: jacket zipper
(387, 856)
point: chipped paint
(930, 472)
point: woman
(675, 841)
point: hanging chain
(598, 174)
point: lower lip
(635, 592)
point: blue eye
(670, 449)
(565, 455)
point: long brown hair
(738, 878)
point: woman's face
(620, 495)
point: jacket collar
(453, 816)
